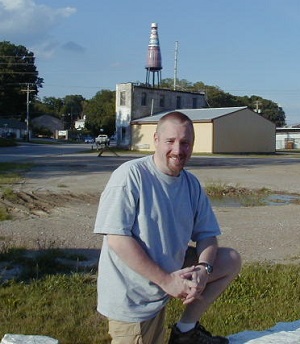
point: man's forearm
(207, 250)
(133, 255)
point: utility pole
(257, 103)
(27, 90)
(175, 65)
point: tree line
(18, 74)
(218, 98)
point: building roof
(47, 121)
(196, 115)
(12, 124)
(288, 130)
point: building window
(162, 100)
(178, 102)
(122, 98)
(144, 99)
(194, 103)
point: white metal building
(288, 138)
(217, 130)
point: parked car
(102, 139)
(89, 139)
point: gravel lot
(61, 198)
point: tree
(100, 112)
(48, 106)
(218, 98)
(17, 72)
(268, 109)
(71, 109)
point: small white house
(80, 123)
(13, 127)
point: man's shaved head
(175, 117)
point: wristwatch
(209, 268)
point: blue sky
(245, 47)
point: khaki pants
(146, 332)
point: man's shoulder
(134, 163)
(131, 167)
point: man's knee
(228, 259)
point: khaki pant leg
(147, 332)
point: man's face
(174, 144)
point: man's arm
(133, 255)
(206, 252)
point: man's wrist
(208, 267)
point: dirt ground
(58, 203)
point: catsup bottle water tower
(153, 65)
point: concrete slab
(285, 332)
(27, 339)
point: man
(149, 211)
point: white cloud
(24, 20)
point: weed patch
(246, 197)
(11, 173)
(4, 215)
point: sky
(244, 47)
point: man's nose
(177, 147)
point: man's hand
(199, 279)
(180, 283)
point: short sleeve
(118, 203)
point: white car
(102, 139)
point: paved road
(59, 162)
(29, 151)
(276, 172)
(42, 152)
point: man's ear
(155, 137)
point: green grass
(6, 167)
(63, 306)
(4, 214)
(7, 142)
(11, 173)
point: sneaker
(198, 335)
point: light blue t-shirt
(163, 213)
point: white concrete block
(27, 339)
(287, 333)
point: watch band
(209, 268)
